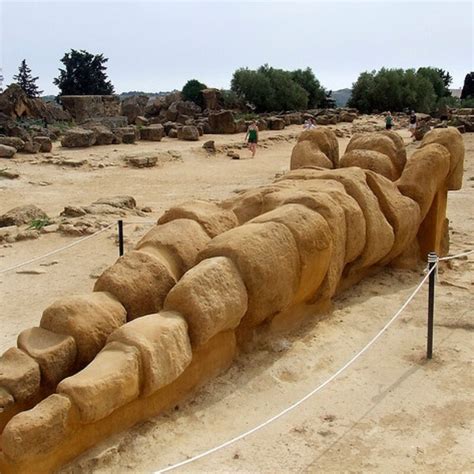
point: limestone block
(110, 381)
(267, 258)
(326, 140)
(19, 374)
(213, 218)
(370, 160)
(211, 296)
(55, 353)
(140, 281)
(88, 318)
(402, 213)
(314, 240)
(163, 344)
(424, 174)
(450, 138)
(38, 430)
(179, 241)
(306, 154)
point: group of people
(411, 126)
(251, 138)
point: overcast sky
(157, 45)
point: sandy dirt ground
(391, 411)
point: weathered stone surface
(103, 134)
(313, 238)
(370, 160)
(425, 173)
(325, 140)
(88, 318)
(84, 107)
(46, 145)
(7, 151)
(275, 123)
(14, 142)
(222, 122)
(333, 213)
(267, 258)
(19, 374)
(450, 138)
(211, 98)
(139, 280)
(178, 241)
(122, 202)
(78, 137)
(211, 296)
(401, 155)
(306, 154)
(38, 430)
(152, 133)
(163, 344)
(110, 381)
(6, 399)
(381, 142)
(189, 133)
(213, 218)
(142, 161)
(379, 236)
(402, 213)
(54, 353)
(209, 146)
(9, 174)
(22, 215)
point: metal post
(432, 261)
(120, 237)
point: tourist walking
(388, 121)
(309, 124)
(412, 124)
(252, 137)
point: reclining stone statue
(209, 278)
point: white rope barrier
(310, 394)
(459, 255)
(53, 252)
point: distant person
(388, 121)
(309, 124)
(252, 137)
(412, 124)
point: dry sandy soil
(392, 411)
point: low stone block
(163, 343)
(38, 430)
(88, 318)
(140, 281)
(211, 296)
(19, 374)
(55, 353)
(111, 380)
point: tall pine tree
(84, 74)
(26, 81)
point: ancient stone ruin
(209, 278)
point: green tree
(317, 95)
(468, 88)
(439, 78)
(26, 81)
(192, 90)
(398, 89)
(84, 74)
(268, 89)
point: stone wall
(84, 107)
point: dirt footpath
(391, 411)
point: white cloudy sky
(157, 45)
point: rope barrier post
(432, 261)
(120, 236)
